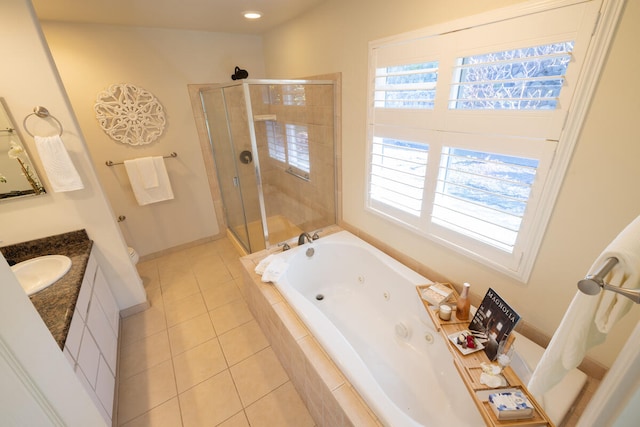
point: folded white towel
(57, 164)
(262, 265)
(590, 317)
(276, 268)
(142, 180)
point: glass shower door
(219, 128)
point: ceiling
(201, 15)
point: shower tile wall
(307, 204)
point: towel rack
(43, 113)
(110, 163)
(594, 283)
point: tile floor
(197, 356)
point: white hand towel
(146, 193)
(57, 164)
(590, 317)
(276, 268)
(263, 264)
(147, 172)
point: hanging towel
(61, 172)
(590, 317)
(149, 180)
(147, 172)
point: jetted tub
(361, 305)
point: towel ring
(43, 113)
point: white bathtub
(371, 323)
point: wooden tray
(433, 311)
(470, 368)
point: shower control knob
(246, 157)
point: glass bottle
(464, 304)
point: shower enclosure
(273, 145)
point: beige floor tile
(185, 309)
(198, 364)
(179, 287)
(190, 333)
(235, 268)
(230, 315)
(154, 297)
(165, 415)
(225, 247)
(221, 295)
(205, 261)
(144, 354)
(210, 402)
(140, 325)
(148, 272)
(149, 267)
(282, 408)
(243, 341)
(211, 276)
(258, 375)
(146, 390)
(238, 420)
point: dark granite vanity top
(57, 302)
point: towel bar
(594, 283)
(110, 163)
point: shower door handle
(236, 181)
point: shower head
(239, 74)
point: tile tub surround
(328, 395)
(56, 303)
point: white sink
(35, 274)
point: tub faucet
(302, 237)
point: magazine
(493, 322)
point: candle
(445, 312)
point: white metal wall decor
(130, 114)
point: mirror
(18, 177)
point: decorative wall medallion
(130, 114)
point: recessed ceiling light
(252, 14)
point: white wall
(599, 195)
(91, 58)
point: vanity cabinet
(92, 342)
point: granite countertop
(56, 303)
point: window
(298, 147)
(290, 147)
(275, 142)
(398, 170)
(406, 86)
(466, 124)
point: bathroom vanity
(80, 312)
